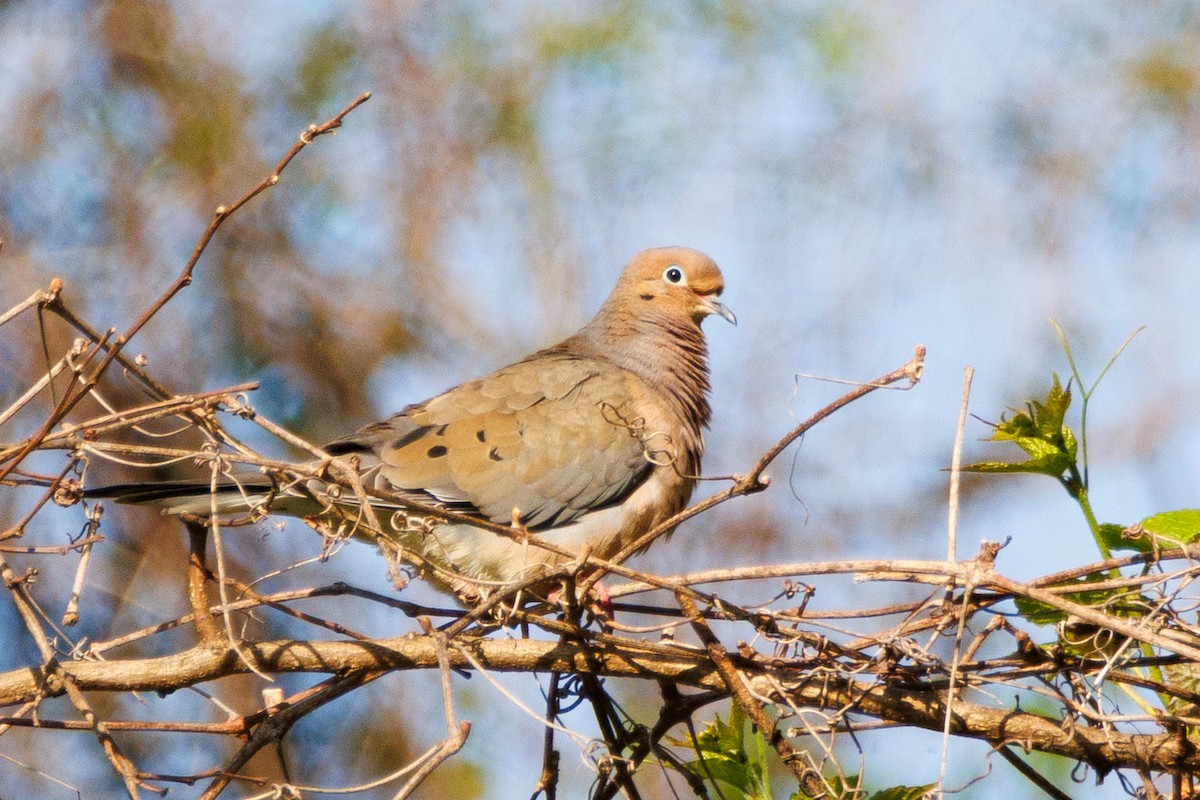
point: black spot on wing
(411, 436)
(481, 435)
(437, 451)
(349, 446)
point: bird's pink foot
(599, 601)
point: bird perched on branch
(591, 442)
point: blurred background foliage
(869, 176)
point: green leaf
(1054, 465)
(851, 789)
(1184, 676)
(1086, 640)
(1040, 613)
(1042, 420)
(1113, 536)
(721, 756)
(1049, 416)
(1041, 433)
(903, 792)
(725, 771)
(1069, 442)
(847, 788)
(1021, 426)
(1162, 530)
(1176, 527)
(1040, 448)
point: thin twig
(275, 723)
(40, 297)
(52, 668)
(956, 468)
(808, 780)
(71, 614)
(753, 480)
(456, 732)
(1034, 777)
(547, 784)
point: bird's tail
(198, 496)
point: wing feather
(540, 437)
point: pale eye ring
(674, 275)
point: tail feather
(198, 496)
(190, 496)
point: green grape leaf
(1053, 464)
(1090, 641)
(1114, 538)
(1040, 613)
(721, 756)
(849, 787)
(1069, 442)
(1041, 449)
(1041, 433)
(903, 792)
(1048, 417)
(1184, 676)
(1162, 530)
(724, 770)
(1177, 527)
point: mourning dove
(590, 442)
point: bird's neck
(667, 353)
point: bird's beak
(712, 305)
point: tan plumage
(595, 439)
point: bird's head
(676, 281)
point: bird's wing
(553, 436)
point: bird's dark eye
(673, 275)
